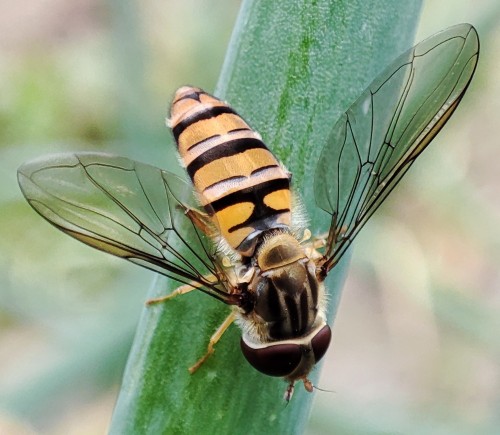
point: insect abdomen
(239, 181)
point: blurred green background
(416, 345)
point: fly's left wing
(377, 140)
(128, 209)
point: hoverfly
(248, 246)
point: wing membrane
(126, 208)
(376, 141)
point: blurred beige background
(416, 345)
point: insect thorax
(289, 299)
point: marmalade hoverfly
(249, 246)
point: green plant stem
(292, 67)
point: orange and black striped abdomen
(240, 182)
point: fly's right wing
(128, 209)
(377, 140)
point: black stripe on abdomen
(194, 95)
(253, 194)
(225, 149)
(211, 112)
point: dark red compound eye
(320, 342)
(278, 360)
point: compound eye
(277, 360)
(320, 342)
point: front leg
(182, 290)
(213, 341)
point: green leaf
(291, 69)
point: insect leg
(335, 236)
(311, 246)
(319, 241)
(213, 341)
(182, 290)
(332, 236)
(308, 385)
(200, 220)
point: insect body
(247, 245)
(246, 192)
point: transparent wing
(375, 142)
(128, 209)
